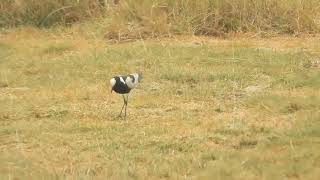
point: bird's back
(123, 84)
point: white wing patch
(121, 79)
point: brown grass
(240, 108)
(142, 18)
(47, 12)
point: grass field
(235, 108)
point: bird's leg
(125, 110)
(124, 103)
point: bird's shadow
(119, 118)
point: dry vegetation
(133, 19)
(47, 12)
(207, 108)
(142, 18)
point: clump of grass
(180, 76)
(143, 18)
(284, 105)
(57, 48)
(47, 12)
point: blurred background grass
(132, 19)
(47, 12)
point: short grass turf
(236, 108)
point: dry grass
(44, 13)
(142, 19)
(136, 19)
(240, 108)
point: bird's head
(112, 83)
(139, 76)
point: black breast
(121, 87)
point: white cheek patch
(112, 82)
(129, 82)
(121, 79)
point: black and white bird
(123, 84)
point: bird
(123, 84)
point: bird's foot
(121, 117)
